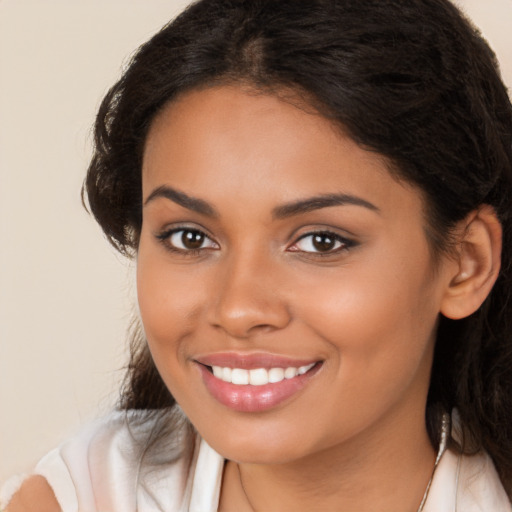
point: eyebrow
(280, 212)
(319, 202)
(190, 203)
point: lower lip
(254, 398)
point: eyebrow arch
(318, 202)
(188, 202)
(280, 212)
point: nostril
(254, 319)
(245, 303)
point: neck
(388, 472)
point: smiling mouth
(256, 390)
(258, 376)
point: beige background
(65, 297)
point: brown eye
(188, 240)
(192, 239)
(323, 242)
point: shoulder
(35, 495)
(463, 482)
(480, 484)
(466, 483)
(117, 462)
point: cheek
(379, 318)
(380, 349)
(168, 307)
(168, 303)
(370, 298)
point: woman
(318, 199)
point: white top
(106, 469)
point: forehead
(228, 143)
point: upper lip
(252, 361)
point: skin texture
(368, 311)
(34, 495)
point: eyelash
(166, 236)
(344, 243)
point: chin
(259, 445)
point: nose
(248, 298)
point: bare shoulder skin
(35, 495)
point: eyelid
(182, 226)
(346, 243)
(165, 234)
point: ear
(479, 260)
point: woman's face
(275, 250)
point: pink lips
(248, 398)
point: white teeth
(289, 373)
(303, 369)
(258, 376)
(239, 376)
(275, 375)
(226, 374)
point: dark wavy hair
(410, 79)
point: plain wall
(65, 296)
